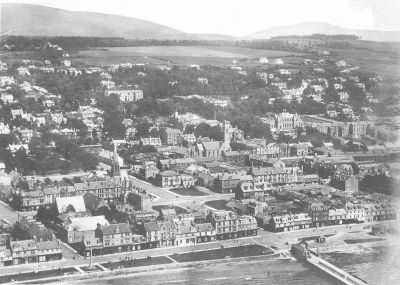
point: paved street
(8, 213)
(264, 238)
(166, 197)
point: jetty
(303, 253)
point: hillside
(35, 20)
(309, 28)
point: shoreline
(154, 269)
(181, 266)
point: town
(122, 158)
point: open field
(219, 55)
(192, 191)
(378, 57)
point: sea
(378, 265)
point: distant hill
(309, 28)
(35, 20)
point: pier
(301, 252)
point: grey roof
(114, 228)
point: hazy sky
(238, 17)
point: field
(214, 55)
(192, 191)
(217, 204)
(381, 58)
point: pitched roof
(210, 146)
(86, 223)
(116, 228)
(76, 201)
(151, 227)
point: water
(377, 266)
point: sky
(239, 17)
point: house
(246, 226)
(23, 71)
(337, 216)
(107, 83)
(289, 222)
(171, 136)
(252, 190)
(29, 251)
(107, 190)
(167, 232)
(168, 179)
(343, 96)
(125, 93)
(185, 234)
(76, 230)
(152, 234)
(51, 194)
(153, 141)
(7, 98)
(4, 129)
(228, 183)
(225, 224)
(205, 232)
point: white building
(125, 95)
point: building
(171, 136)
(337, 216)
(29, 251)
(152, 234)
(76, 230)
(151, 141)
(205, 232)
(252, 190)
(168, 179)
(225, 224)
(289, 222)
(228, 183)
(107, 190)
(287, 122)
(75, 204)
(125, 93)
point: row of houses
(34, 199)
(322, 216)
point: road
(165, 197)
(265, 238)
(7, 213)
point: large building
(336, 128)
(125, 93)
(287, 122)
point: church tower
(227, 131)
(115, 166)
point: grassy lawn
(137, 262)
(39, 275)
(191, 191)
(221, 253)
(92, 269)
(362, 240)
(217, 204)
